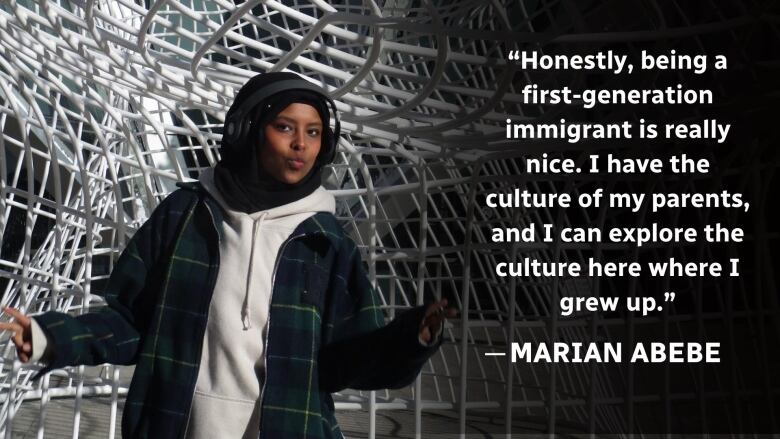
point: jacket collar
(321, 223)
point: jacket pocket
(314, 285)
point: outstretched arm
(112, 333)
(390, 357)
(93, 338)
(362, 353)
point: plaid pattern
(326, 330)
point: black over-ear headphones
(237, 126)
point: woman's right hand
(22, 333)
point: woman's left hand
(434, 316)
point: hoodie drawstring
(245, 309)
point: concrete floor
(95, 416)
(94, 422)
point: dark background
(740, 394)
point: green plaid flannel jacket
(326, 331)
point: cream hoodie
(227, 392)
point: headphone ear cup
(328, 146)
(243, 131)
(232, 131)
(334, 144)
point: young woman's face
(292, 142)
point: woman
(241, 300)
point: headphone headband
(272, 89)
